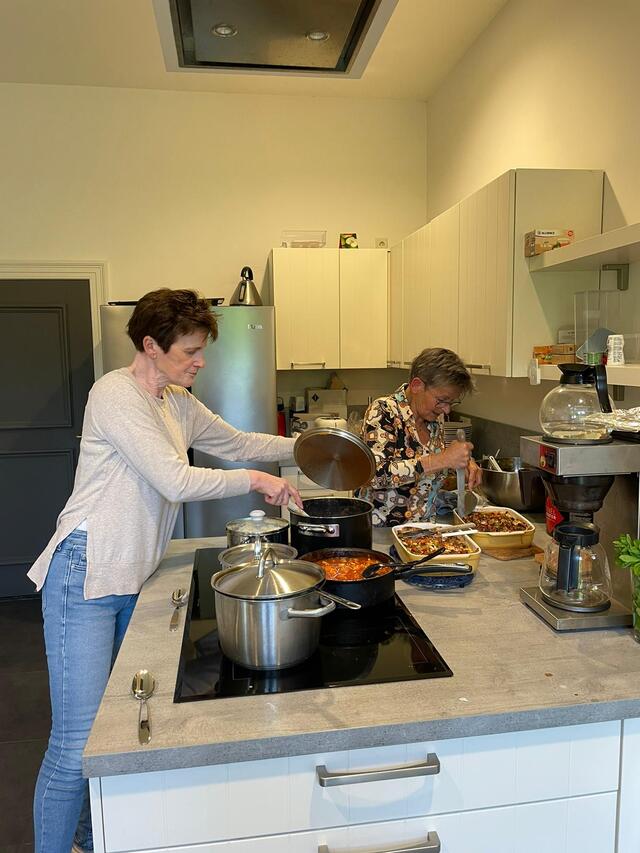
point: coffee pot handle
(602, 388)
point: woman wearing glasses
(405, 433)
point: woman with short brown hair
(133, 474)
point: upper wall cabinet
(415, 303)
(504, 310)
(442, 279)
(331, 308)
(394, 326)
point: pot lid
(334, 458)
(268, 578)
(256, 524)
(241, 554)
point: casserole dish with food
(411, 546)
(500, 527)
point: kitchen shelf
(620, 246)
(621, 374)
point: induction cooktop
(371, 646)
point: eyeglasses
(441, 401)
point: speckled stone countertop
(511, 671)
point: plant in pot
(628, 555)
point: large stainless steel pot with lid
(268, 612)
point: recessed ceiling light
(317, 35)
(224, 31)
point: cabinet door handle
(431, 845)
(430, 767)
(295, 364)
(394, 363)
(474, 366)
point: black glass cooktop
(371, 646)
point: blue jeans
(82, 639)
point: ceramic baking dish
(515, 539)
(470, 559)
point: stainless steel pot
(268, 613)
(515, 486)
(258, 526)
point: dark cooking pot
(332, 523)
(369, 592)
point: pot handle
(329, 530)
(312, 614)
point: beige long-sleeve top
(133, 473)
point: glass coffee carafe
(566, 410)
(575, 573)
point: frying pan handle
(400, 573)
(434, 570)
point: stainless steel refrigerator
(238, 383)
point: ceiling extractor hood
(317, 37)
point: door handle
(474, 366)
(430, 767)
(431, 845)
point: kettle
(246, 293)
(566, 410)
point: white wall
(547, 85)
(183, 189)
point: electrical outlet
(382, 243)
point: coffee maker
(577, 476)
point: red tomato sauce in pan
(347, 568)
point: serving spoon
(142, 688)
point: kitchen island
(535, 729)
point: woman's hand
(276, 491)
(474, 474)
(456, 455)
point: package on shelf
(563, 349)
(543, 239)
(567, 335)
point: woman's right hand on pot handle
(276, 491)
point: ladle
(142, 688)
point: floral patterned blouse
(400, 491)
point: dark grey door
(46, 354)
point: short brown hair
(437, 367)
(167, 314)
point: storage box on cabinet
(331, 308)
(284, 794)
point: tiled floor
(25, 718)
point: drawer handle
(430, 767)
(431, 845)
(394, 363)
(473, 366)
(331, 531)
(295, 364)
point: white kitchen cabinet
(307, 488)
(504, 309)
(331, 308)
(394, 325)
(580, 825)
(442, 279)
(363, 308)
(498, 792)
(306, 295)
(415, 316)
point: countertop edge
(200, 755)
